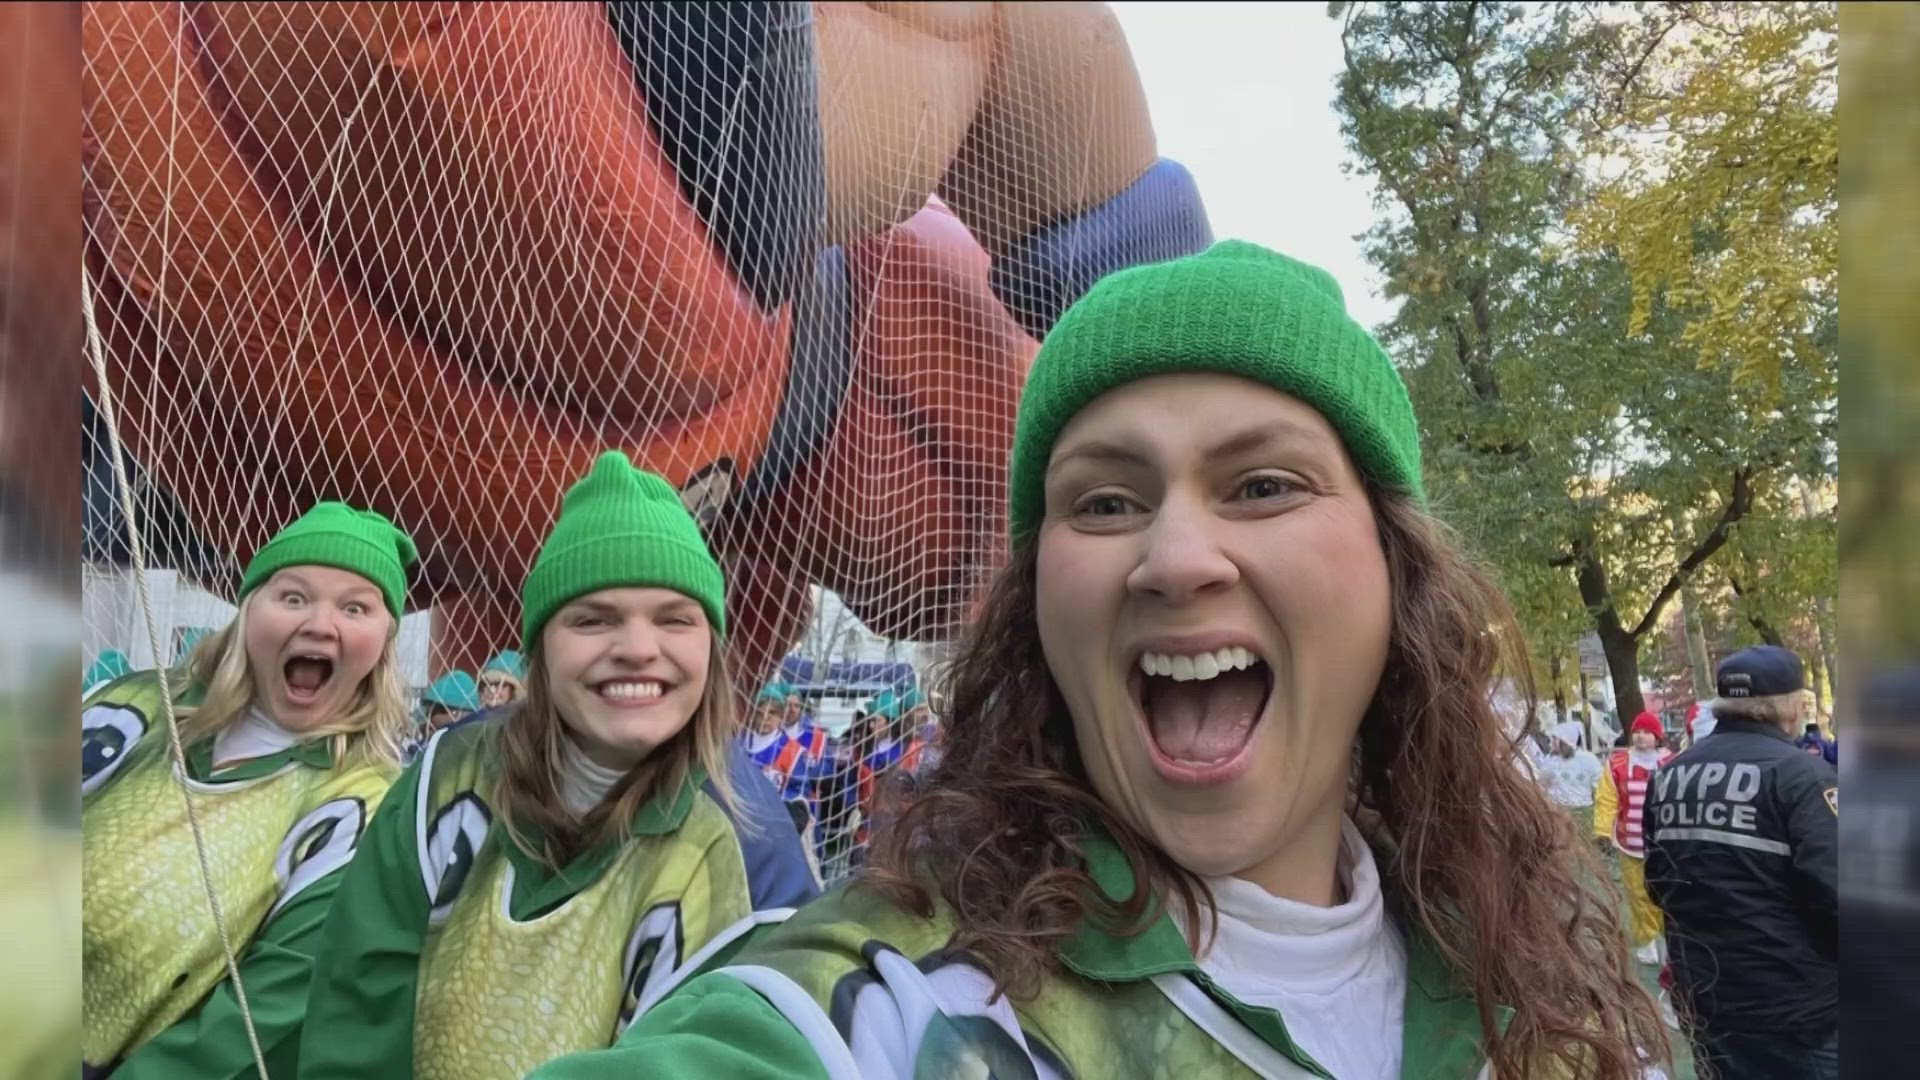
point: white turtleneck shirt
(583, 781)
(1336, 975)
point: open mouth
(1200, 709)
(627, 693)
(306, 675)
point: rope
(108, 408)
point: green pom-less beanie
(1237, 309)
(337, 535)
(620, 527)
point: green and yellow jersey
(853, 987)
(452, 953)
(278, 831)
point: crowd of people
(836, 785)
(1219, 788)
(457, 697)
(1726, 850)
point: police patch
(1833, 800)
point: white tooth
(1146, 663)
(1166, 666)
(1156, 664)
(633, 690)
(1205, 666)
(1242, 657)
(1182, 669)
(1226, 659)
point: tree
(1778, 580)
(1454, 110)
(1667, 664)
(1783, 563)
(1568, 431)
(1670, 460)
(1718, 122)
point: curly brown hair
(1479, 859)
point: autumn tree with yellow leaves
(1715, 125)
(1618, 364)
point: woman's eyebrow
(1100, 453)
(592, 607)
(1266, 435)
(1244, 441)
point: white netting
(431, 258)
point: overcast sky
(1242, 95)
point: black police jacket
(1743, 857)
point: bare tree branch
(1739, 504)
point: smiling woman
(1224, 794)
(290, 718)
(545, 870)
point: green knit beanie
(620, 527)
(337, 535)
(1238, 309)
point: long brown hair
(1473, 853)
(526, 792)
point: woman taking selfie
(540, 871)
(291, 719)
(1223, 794)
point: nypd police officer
(1743, 858)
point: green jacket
(279, 832)
(853, 987)
(451, 953)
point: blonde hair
(526, 792)
(368, 731)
